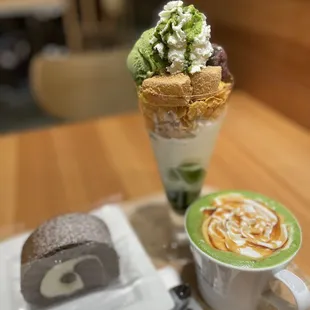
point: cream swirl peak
(182, 37)
(244, 226)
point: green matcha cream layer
(243, 229)
(179, 43)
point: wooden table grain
(73, 167)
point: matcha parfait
(183, 84)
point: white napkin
(139, 287)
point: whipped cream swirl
(182, 37)
(244, 226)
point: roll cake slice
(65, 257)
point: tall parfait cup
(183, 128)
(183, 139)
(183, 84)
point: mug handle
(298, 288)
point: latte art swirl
(244, 226)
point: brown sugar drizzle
(243, 226)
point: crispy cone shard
(177, 90)
(168, 91)
(172, 104)
(207, 81)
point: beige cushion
(84, 85)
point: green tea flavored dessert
(243, 229)
(183, 84)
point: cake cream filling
(51, 285)
(244, 226)
(177, 42)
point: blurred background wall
(268, 44)
(64, 60)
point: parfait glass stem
(178, 234)
(178, 245)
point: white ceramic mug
(226, 287)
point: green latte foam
(195, 218)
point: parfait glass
(183, 137)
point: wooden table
(73, 167)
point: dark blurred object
(43, 32)
(20, 39)
(18, 110)
(145, 13)
(14, 57)
(268, 49)
(219, 58)
(15, 52)
(181, 295)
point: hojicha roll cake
(65, 257)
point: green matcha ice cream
(179, 43)
(143, 61)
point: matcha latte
(243, 229)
